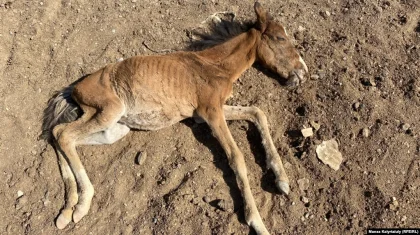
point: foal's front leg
(217, 123)
(258, 117)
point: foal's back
(157, 91)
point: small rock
(307, 132)
(20, 202)
(196, 201)
(303, 184)
(206, 199)
(300, 28)
(133, 1)
(304, 199)
(223, 205)
(19, 194)
(404, 218)
(314, 77)
(321, 74)
(394, 204)
(327, 13)
(315, 125)
(356, 106)
(299, 36)
(365, 132)
(46, 202)
(120, 59)
(405, 126)
(141, 158)
(282, 202)
(306, 215)
(329, 154)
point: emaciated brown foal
(153, 92)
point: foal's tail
(61, 109)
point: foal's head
(275, 50)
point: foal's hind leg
(71, 196)
(257, 116)
(68, 138)
(107, 136)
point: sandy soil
(364, 58)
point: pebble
(315, 125)
(141, 158)
(329, 154)
(303, 184)
(206, 199)
(196, 201)
(405, 126)
(327, 13)
(299, 36)
(223, 205)
(394, 204)
(19, 193)
(404, 218)
(314, 77)
(365, 132)
(20, 202)
(304, 199)
(321, 74)
(356, 106)
(307, 132)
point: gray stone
(307, 132)
(365, 132)
(405, 126)
(141, 158)
(303, 184)
(315, 125)
(329, 154)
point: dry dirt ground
(364, 62)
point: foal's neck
(236, 55)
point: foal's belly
(151, 119)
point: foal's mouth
(296, 77)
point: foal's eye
(278, 38)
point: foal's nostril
(299, 74)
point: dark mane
(216, 29)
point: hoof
(283, 187)
(79, 213)
(64, 218)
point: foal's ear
(262, 16)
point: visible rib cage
(61, 109)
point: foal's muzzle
(296, 77)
